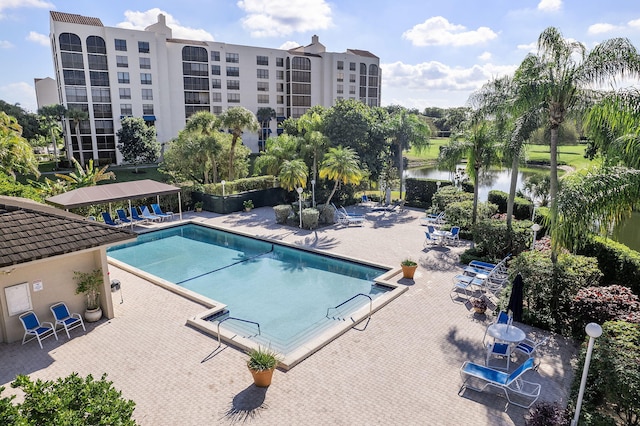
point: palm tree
(280, 149)
(52, 115)
(76, 116)
(237, 119)
(340, 165)
(16, 155)
(560, 77)
(265, 115)
(479, 148)
(82, 178)
(293, 174)
(311, 124)
(202, 127)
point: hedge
(522, 208)
(420, 192)
(618, 263)
(493, 241)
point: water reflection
(628, 232)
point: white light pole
(535, 228)
(299, 189)
(594, 331)
(313, 192)
(223, 182)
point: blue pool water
(287, 291)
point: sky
(432, 53)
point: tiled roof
(30, 231)
(72, 18)
(365, 53)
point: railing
(349, 300)
(219, 336)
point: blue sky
(432, 53)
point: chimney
(315, 39)
(162, 19)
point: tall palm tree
(203, 128)
(478, 146)
(293, 174)
(340, 165)
(76, 116)
(560, 77)
(311, 125)
(237, 119)
(280, 149)
(264, 116)
(52, 115)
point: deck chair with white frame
(67, 320)
(36, 329)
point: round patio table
(506, 333)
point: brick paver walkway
(402, 370)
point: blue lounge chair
(67, 320)
(135, 216)
(511, 384)
(158, 212)
(122, 217)
(108, 220)
(36, 329)
(144, 210)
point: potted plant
(408, 268)
(262, 362)
(90, 284)
(479, 305)
(248, 205)
(198, 206)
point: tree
(315, 143)
(264, 116)
(293, 174)
(16, 155)
(280, 149)
(137, 142)
(560, 77)
(340, 165)
(237, 119)
(204, 127)
(51, 116)
(76, 116)
(28, 121)
(82, 178)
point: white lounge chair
(346, 220)
(433, 219)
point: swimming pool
(284, 297)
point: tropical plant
(247, 204)
(262, 359)
(314, 142)
(264, 116)
(76, 116)
(90, 176)
(293, 174)
(51, 116)
(203, 137)
(279, 149)
(340, 165)
(408, 262)
(237, 119)
(137, 142)
(89, 283)
(16, 155)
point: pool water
(285, 290)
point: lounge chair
(390, 207)
(145, 213)
(67, 320)
(158, 212)
(346, 220)
(109, 220)
(453, 235)
(122, 217)
(433, 219)
(511, 384)
(133, 211)
(33, 327)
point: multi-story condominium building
(111, 73)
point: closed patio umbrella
(515, 300)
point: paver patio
(402, 370)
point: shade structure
(515, 300)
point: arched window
(363, 69)
(298, 63)
(373, 70)
(195, 54)
(70, 42)
(96, 44)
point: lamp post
(535, 228)
(594, 331)
(299, 189)
(223, 182)
(313, 192)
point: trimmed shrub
(420, 192)
(522, 208)
(310, 218)
(326, 214)
(600, 304)
(282, 212)
(499, 198)
(547, 414)
(494, 242)
(240, 185)
(618, 262)
(448, 195)
(459, 213)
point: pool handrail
(349, 300)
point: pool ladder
(349, 300)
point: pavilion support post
(130, 215)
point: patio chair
(498, 351)
(158, 212)
(528, 346)
(467, 285)
(135, 216)
(511, 384)
(502, 318)
(109, 220)
(346, 220)
(454, 235)
(433, 219)
(429, 240)
(122, 217)
(146, 214)
(67, 320)
(33, 327)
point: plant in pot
(198, 206)
(408, 268)
(90, 283)
(479, 305)
(248, 205)
(262, 362)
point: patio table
(506, 333)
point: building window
(279, 75)
(279, 62)
(352, 66)
(216, 97)
(195, 54)
(300, 89)
(106, 142)
(145, 78)
(100, 94)
(215, 56)
(302, 76)
(352, 90)
(352, 78)
(195, 83)
(233, 98)
(147, 94)
(103, 127)
(263, 86)
(279, 87)
(125, 93)
(373, 92)
(262, 73)
(99, 78)
(340, 65)
(280, 111)
(76, 94)
(216, 109)
(96, 44)
(74, 77)
(121, 45)
(147, 109)
(123, 77)
(102, 111)
(215, 69)
(195, 68)
(340, 76)
(97, 62)
(340, 89)
(233, 72)
(279, 99)
(263, 99)
(72, 60)
(70, 42)
(126, 109)
(262, 60)
(122, 61)
(143, 46)
(298, 63)
(233, 58)
(196, 98)
(233, 84)
(145, 63)
(216, 83)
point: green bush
(70, 401)
(448, 195)
(618, 263)
(522, 208)
(499, 198)
(240, 185)
(460, 213)
(420, 191)
(12, 188)
(494, 242)
(547, 414)
(282, 212)
(310, 218)
(600, 304)
(549, 289)
(326, 214)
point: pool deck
(403, 369)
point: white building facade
(111, 73)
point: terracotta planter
(93, 315)
(408, 271)
(262, 379)
(479, 310)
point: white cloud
(21, 93)
(485, 56)
(634, 24)
(140, 20)
(38, 38)
(438, 31)
(4, 44)
(289, 45)
(601, 28)
(549, 5)
(531, 47)
(276, 18)
(15, 4)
